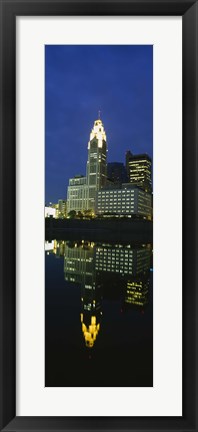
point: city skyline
(98, 216)
(69, 120)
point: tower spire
(99, 114)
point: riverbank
(99, 229)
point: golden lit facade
(91, 310)
(139, 170)
(97, 162)
(91, 300)
(90, 331)
(137, 291)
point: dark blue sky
(79, 81)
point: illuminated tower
(96, 164)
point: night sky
(79, 81)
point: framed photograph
(98, 215)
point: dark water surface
(98, 314)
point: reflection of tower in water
(120, 271)
(79, 267)
(78, 261)
(90, 319)
(91, 303)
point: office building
(139, 170)
(76, 194)
(82, 190)
(137, 290)
(78, 262)
(116, 172)
(113, 188)
(62, 209)
(122, 259)
(126, 200)
(50, 211)
(96, 164)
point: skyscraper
(139, 170)
(81, 194)
(96, 163)
(124, 200)
(116, 172)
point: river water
(98, 314)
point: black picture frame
(188, 9)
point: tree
(88, 213)
(79, 214)
(72, 214)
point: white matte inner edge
(165, 397)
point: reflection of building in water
(57, 247)
(122, 259)
(91, 310)
(137, 290)
(79, 267)
(131, 266)
(78, 261)
(90, 331)
(49, 246)
(102, 267)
